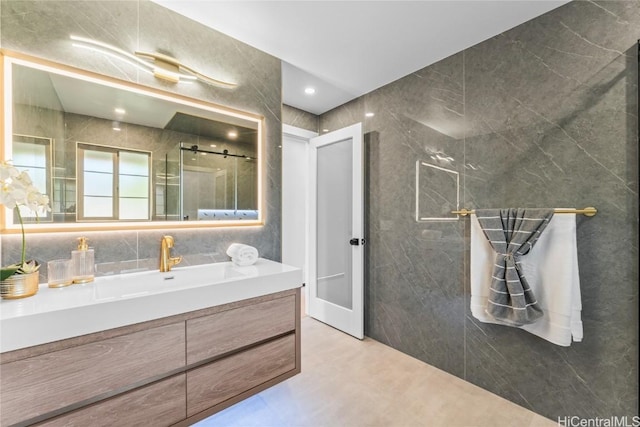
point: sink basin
(139, 284)
(125, 299)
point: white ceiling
(348, 48)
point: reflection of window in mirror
(33, 154)
(113, 183)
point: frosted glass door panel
(336, 286)
(334, 177)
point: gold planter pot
(20, 286)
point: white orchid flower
(17, 190)
(7, 171)
(24, 178)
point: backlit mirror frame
(6, 124)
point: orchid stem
(24, 240)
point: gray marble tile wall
(295, 117)
(42, 29)
(546, 115)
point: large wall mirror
(113, 154)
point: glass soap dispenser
(83, 265)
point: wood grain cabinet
(220, 333)
(172, 371)
(219, 381)
(158, 404)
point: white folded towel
(551, 268)
(242, 255)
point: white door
(336, 253)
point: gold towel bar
(588, 211)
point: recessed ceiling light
(309, 91)
(232, 134)
(325, 130)
(117, 129)
(119, 110)
(213, 146)
(369, 115)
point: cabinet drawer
(41, 384)
(223, 379)
(159, 404)
(222, 332)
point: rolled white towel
(242, 255)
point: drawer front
(219, 333)
(223, 379)
(41, 384)
(159, 404)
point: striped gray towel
(512, 233)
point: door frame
(302, 136)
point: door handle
(356, 242)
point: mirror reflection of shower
(167, 186)
(212, 177)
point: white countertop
(120, 300)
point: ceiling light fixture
(119, 110)
(369, 114)
(112, 51)
(161, 66)
(309, 91)
(232, 134)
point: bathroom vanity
(149, 348)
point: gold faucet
(166, 261)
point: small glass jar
(83, 266)
(59, 273)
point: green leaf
(8, 271)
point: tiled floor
(352, 383)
